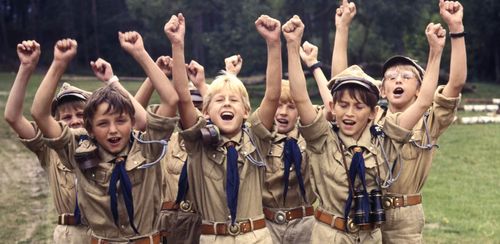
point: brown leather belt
(67, 219)
(233, 230)
(184, 206)
(340, 223)
(169, 205)
(155, 239)
(401, 201)
(283, 216)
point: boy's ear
(373, 113)
(382, 91)
(246, 114)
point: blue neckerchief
(120, 174)
(77, 213)
(232, 182)
(292, 155)
(183, 184)
(357, 168)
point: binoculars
(210, 135)
(368, 212)
(87, 160)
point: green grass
(461, 196)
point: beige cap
(67, 91)
(354, 75)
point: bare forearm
(273, 84)
(14, 106)
(458, 64)
(339, 54)
(143, 95)
(187, 111)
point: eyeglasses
(393, 75)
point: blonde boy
(121, 200)
(226, 178)
(402, 86)
(336, 155)
(66, 107)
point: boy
(338, 156)
(226, 177)
(401, 84)
(67, 107)
(121, 201)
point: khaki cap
(67, 91)
(354, 75)
(399, 59)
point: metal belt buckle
(233, 229)
(388, 202)
(280, 217)
(186, 206)
(351, 226)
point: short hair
(118, 101)
(229, 82)
(357, 92)
(74, 102)
(286, 95)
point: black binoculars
(210, 135)
(87, 160)
(368, 212)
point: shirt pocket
(97, 181)
(176, 162)
(214, 167)
(409, 150)
(275, 159)
(65, 177)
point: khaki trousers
(323, 233)
(295, 231)
(261, 236)
(182, 227)
(404, 225)
(73, 234)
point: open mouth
(114, 140)
(282, 121)
(349, 122)
(398, 91)
(227, 116)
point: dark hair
(118, 101)
(357, 92)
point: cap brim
(356, 81)
(402, 60)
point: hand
(131, 42)
(309, 54)
(28, 53)
(175, 29)
(436, 36)
(452, 13)
(268, 28)
(196, 73)
(234, 63)
(293, 30)
(65, 50)
(166, 64)
(344, 14)
(102, 70)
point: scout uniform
(94, 184)
(403, 200)
(290, 220)
(177, 223)
(62, 180)
(330, 153)
(207, 183)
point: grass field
(461, 196)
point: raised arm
(343, 17)
(452, 13)
(132, 43)
(196, 73)
(28, 53)
(143, 95)
(64, 52)
(233, 64)
(436, 36)
(309, 55)
(104, 72)
(175, 29)
(293, 30)
(270, 30)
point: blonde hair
(286, 95)
(229, 82)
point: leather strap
(291, 214)
(67, 219)
(224, 228)
(155, 239)
(339, 223)
(401, 201)
(169, 205)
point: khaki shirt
(416, 162)
(207, 175)
(172, 166)
(61, 179)
(327, 168)
(273, 187)
(93, 184)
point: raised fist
(344, 14)
(452, 13)
(309, 54)
(175, 29)
(165, 63)
(28, 53)
(102, 70)
(196, 73)
(293, 30)
(65, 50)
(268, 28)
(131, 42)
(436, 36)
(234, 63)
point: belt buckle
(233, 229)
(186, 206)
(351, 226)
(280, 217)
(388, 202)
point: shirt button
(213, 155)
(93, 175)
(123, 226)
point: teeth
(227, 116)
(349, 122)
(283, 121)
